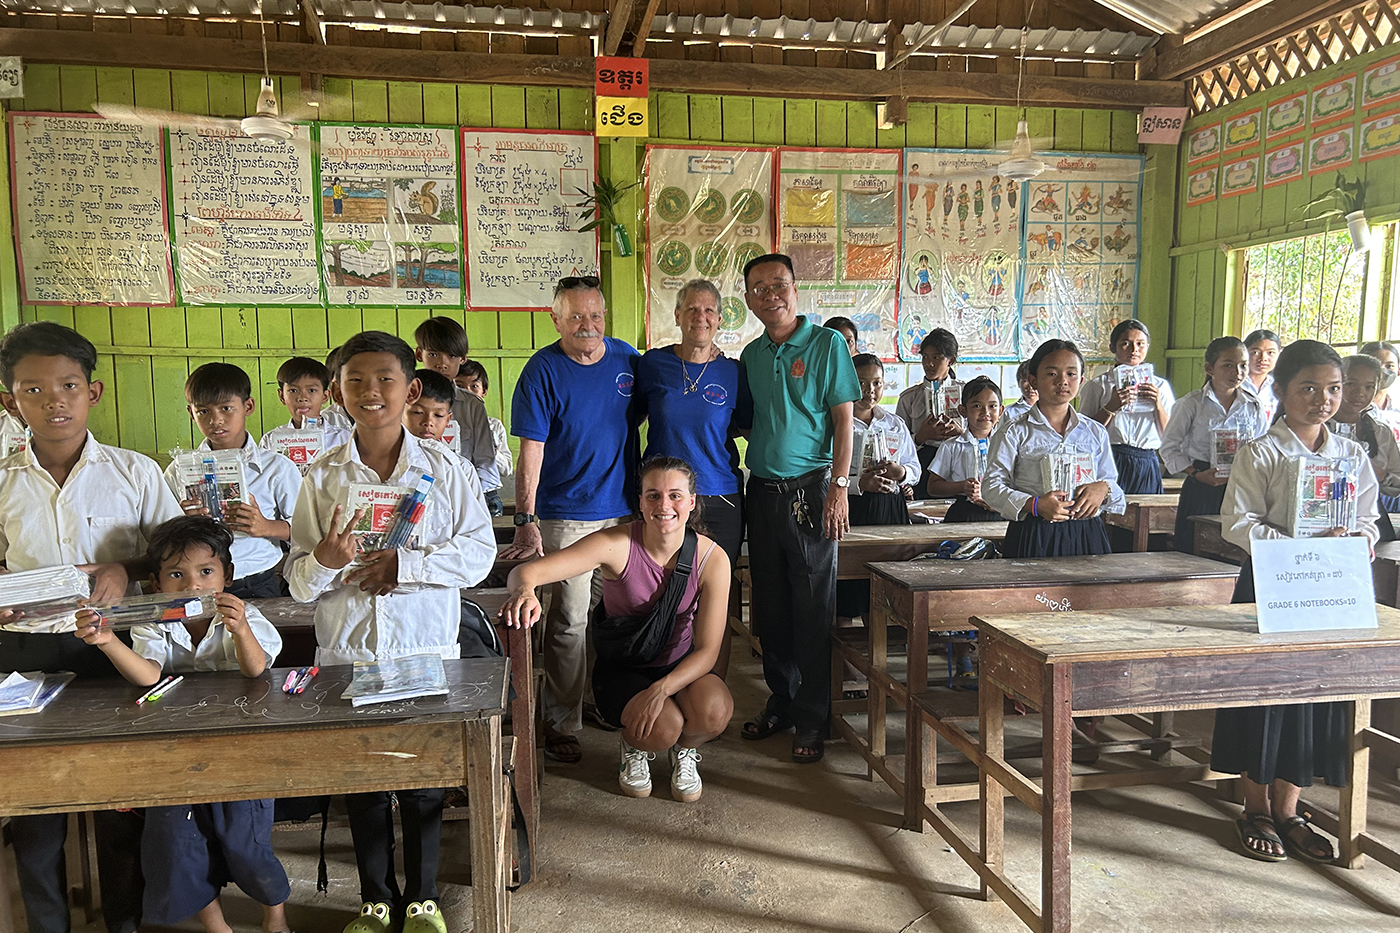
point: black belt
(783, 486)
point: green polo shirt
(795, 385)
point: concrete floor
(774, 847)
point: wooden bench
(1145, 516)
(1206, 541)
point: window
(1312, 287)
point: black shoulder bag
(635, 641)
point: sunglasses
(570, 282)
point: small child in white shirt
(303, 386)
(472, 378)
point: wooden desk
(865, 544)
(1172, 484)
(1385, 572)
(95, 749)
(504, 527)
(938, 595)
(1140, 660)
(933, 510)
(1145, 516)
(1207, 541)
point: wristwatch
(524, 518)
(842, 481)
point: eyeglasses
(763, 291)
(570, 282)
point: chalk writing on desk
(388, 204)
(90, 210)
(520, 188)
(243, 218)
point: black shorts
(614, 686)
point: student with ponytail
(1135, 417)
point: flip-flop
(1259, 826)
(557, 748)
(763, 725)
(1301, 850)
(811, 741)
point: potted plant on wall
(1348, 201)
(602, 202)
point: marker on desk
(308, 674)
(155, 691)
(161, 691)
(292, 676)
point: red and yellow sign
(621, 86)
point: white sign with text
(1313, 584)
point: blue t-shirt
(693, 426)
(580, 414)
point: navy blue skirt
(962, 510)
(189, 853)
(1196, 498)
(1139, 470)
(1035, 537)
(1294, 743)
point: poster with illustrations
(243, 218)
(1283, 164)
(1203, 143)
(1334, 100)
(1331, 149)
(1081, 247)
(520, 188)
(1201, 184)
(1380, 136)
(1239, 177)
(1380, 84)
(838, 218)
(1286, 116)
(389, 214)
(1243, 131)
(90, 210)
(961, 256)
(709, 211)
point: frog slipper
(373, 918)
(424, 917)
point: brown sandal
(563, 748)
(1259, 826)
(1303, 850)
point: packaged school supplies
(1130, 377)
(945, 399)
(391, 513)
(873, 450)
(978, 454)
(1065, 469)
(451, 435)
(299, 445)
(20, 690)
(1224, 446)
(1324, 496)
(43, 597)
(158, 609)
(392, 679)
(214, 477)
(12, 439)
(52, 685)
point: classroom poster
(243, 218)
(1286, 116)
(1203, 143)
(838, 218)
(961, 256)
(519, 191)
(1283, 164)
(1239, 177)
(1380, 84)
(90, 210)
(388, 208)
(709, 211)
(1243, 131)
(1331, 149)
(1334, 100)
(1201, 184)
(1083, 223)
(1380, 136)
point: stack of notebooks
(30, 692)
(44, 597)
(390, 680)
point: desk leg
(522, 721)
(1351, 818)
(877, 629)
(917, 753)
(1141, 517)
(7, 916)
(1057, 745)
(990, 703)
(489, 816)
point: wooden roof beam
(239, 55)
(639, 45)
(619, 12)
(1245, 34)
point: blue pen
(406, 517)
(211, 489)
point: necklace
(687, 384)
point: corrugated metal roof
(841, 32)
(1171, 16)
(1079, 42)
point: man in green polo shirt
(803, 384)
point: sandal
(763, 725)
(1304, 849)
(812, 748)
(563, 748)
(855, 695)
(1258, 826)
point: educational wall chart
(1083, 223)
(838, 218)
(709, 211)
(388, 207)
(519, 192)
(90, 210)
(961, 255)
(243, 219)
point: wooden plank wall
(146, 353)
(1205, 300)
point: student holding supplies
(219, 397)
(1050, 471)
(190, 852)
(1135, 416)
(69, 500)
(958, 467)
(938, 351)
(388, 603)
(304, 386)
(1279, 750)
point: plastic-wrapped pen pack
(215, 478)
(44, 596)
(391, 513)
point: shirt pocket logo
(799, 368)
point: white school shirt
(474, 440)
(333, 435)
(274, 481)
(1014, 455)
(907, 457)
(505, 465)
(1195, 415)
(1257, 498)
(1265, 393)
(456, 548)
(172, 647)
(105, 512)
(1386, 462)
(956, 460)
(337, 415)
(1134, 428)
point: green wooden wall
(146, 353)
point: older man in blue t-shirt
(577, 452)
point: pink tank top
(640, 586)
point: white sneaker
(634, 771)
(685, 774)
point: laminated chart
(1081, 248)
(961, 253)
(520, 188)
(243, 218)
(838, 218)
(389, 212)
(709, 211)
(90, 210)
